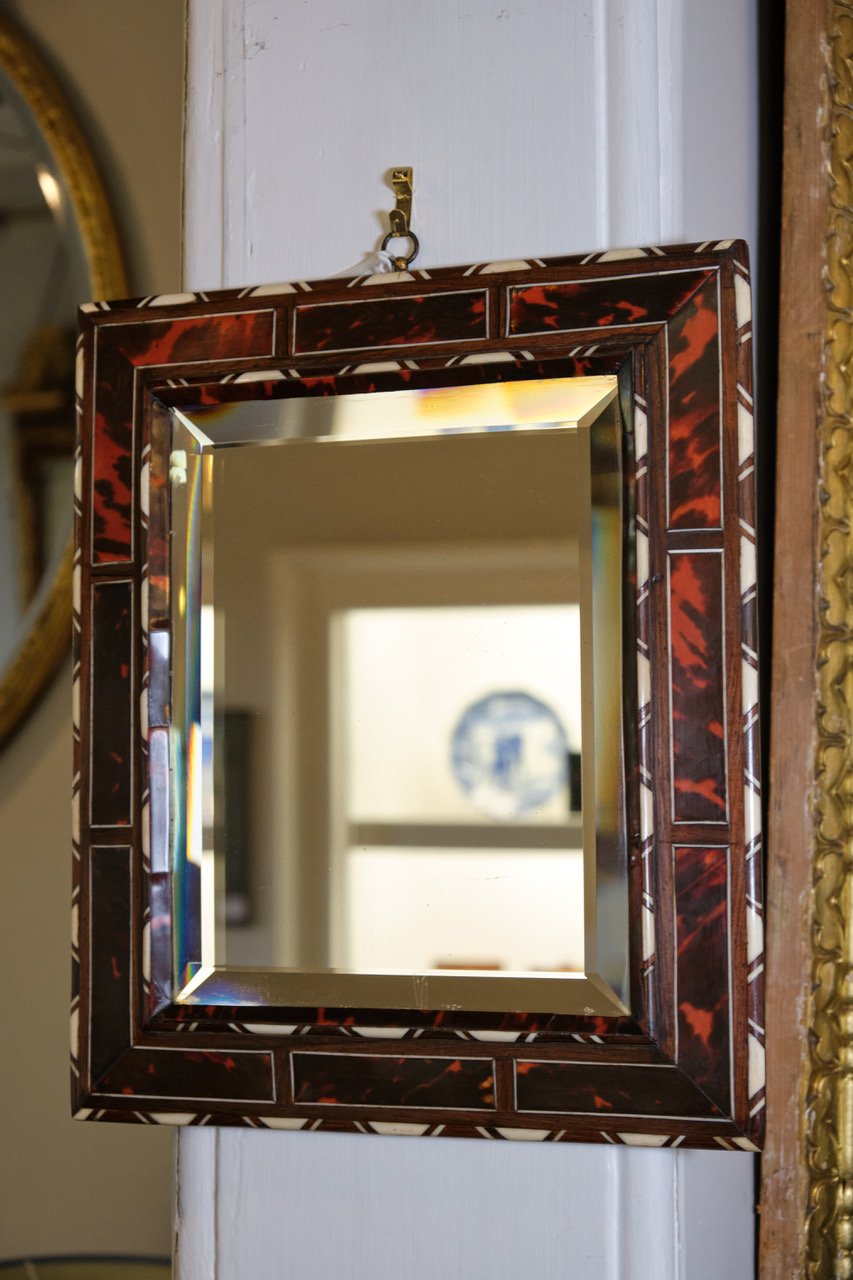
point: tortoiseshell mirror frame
(687, 1067)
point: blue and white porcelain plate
(509, 754)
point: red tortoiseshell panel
(218, 337)
(607, 1088)
(109, 975)
(697, 665)
(112, 471)
(204, 1073)
(368, 1080)
(694, 413)
(701, 927)
(391, 322)
(602, 303)
(122, 347)
(111, 772)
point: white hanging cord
(374, 264)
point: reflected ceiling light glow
(50, 188)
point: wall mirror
(416, 705)
(57, 244)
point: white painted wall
(536, 127)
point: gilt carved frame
(807, 1217)
(687, 1066)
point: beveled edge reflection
(584, 994)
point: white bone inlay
(496, 1037)
(490, 357)
(171, 299)
(621, 255)
(750, 685)
(642, 558)
(648, 934)
(511, 264)
(524, 1135)
(261, 375)
(754, 935)
(743, 301)
(751, 814)
(644, 680)
(380, 1033)
(747, 565)
(745, 433)
(264, 290)
(389, 277)
(755, 1069)
(646, 813)
(641, 431)
(398, 1128)
(269, 1028)
(144, 482)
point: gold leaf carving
(829, 1118)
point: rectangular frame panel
(223, 346)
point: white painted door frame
(535, 127)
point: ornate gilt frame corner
(48, 639)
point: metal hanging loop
(401, 261)
(401, 215)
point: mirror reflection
(43, 275)
(397, 694)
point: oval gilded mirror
(58, 247)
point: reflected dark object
(237, 753)
(573, 770)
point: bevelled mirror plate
(414, 666)
(418, 766)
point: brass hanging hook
(400, 216)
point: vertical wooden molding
(830, 1094)
(798, 1194)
